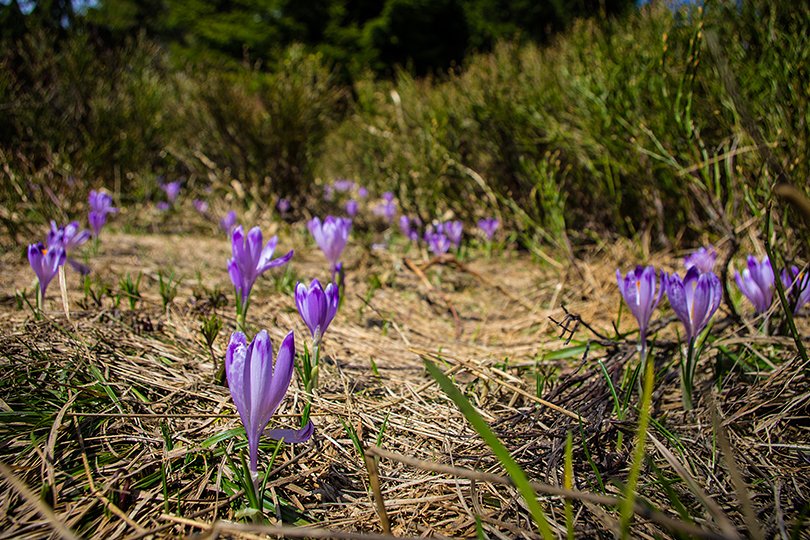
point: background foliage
(628, 121)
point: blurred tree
(427, 36)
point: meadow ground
(113, 427)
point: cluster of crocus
(100, 206)
(797, 287)
(331, 235)
(69, 237)
(257, 386)
(756, 283)
(694, 298)
(250, 259)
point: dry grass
(108, 417)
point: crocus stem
(39, 303)
(688, 374)
(643, 360)
(316, 354)
(312, 381)
(638, 453)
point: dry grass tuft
(112, 426)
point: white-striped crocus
(250, 260)
(45, 262)
(797, 287)
(638, 288)
(257, 387)
(695, 299)
(317, 306)
(756, 283)
(331, 235)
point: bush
(626, 125)
(267, 128)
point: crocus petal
(280, 261)
(234, 371)
(236, 279)
(82, 269)
(282, 373)
(677, 299)
(292, 436)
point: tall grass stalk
(638, 453)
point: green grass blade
(501, 452)
(638, 453)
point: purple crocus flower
(405, 226)
(331, 235)
(362, 192)
(756, 283)
(638, 289)
(45, 262)
(454, 230)
(228, 222)
(100, 205)
(437, 243)
(283, 205)
(257, 388)
(387, 210)
(163, 206)
(328, 193)
(201, 206)
(797, 285)
(250, 259)
(172, 190)
(488, 226)
(351, 208)
(317, 306)
(343, 185)
(694, 299)
(704, 259)
(69, 238)
(388, 196)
